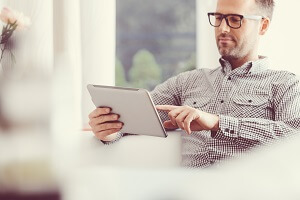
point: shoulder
(282, 77)
(284, 82)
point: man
(230, 109)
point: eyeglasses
(232, 20)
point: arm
(168, 93)
(246, 131)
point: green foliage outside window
(120, 74)
(145, 72)
(154, 37)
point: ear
(264, 25)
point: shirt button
(250, 101)
(222, 101)
(229, 78)
(226, 130)
(231, 131)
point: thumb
(168, 125)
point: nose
(224, 27)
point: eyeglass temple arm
(254, 17)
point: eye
(218, 17)
(234, 19)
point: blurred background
(44, 102)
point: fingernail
(116, 117)
(107, 110)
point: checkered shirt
(256, 106)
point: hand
(189, 119)
(104, 123)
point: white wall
(280, 44)
(282, 41)
(207, 53)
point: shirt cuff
(229, 128)
(113, 138)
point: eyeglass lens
(232, 20)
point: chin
(227, 53)
(224, 52)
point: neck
(238, 62)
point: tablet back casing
(134, 106)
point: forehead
(236, 6)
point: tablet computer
(135, 107)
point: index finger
(86, 129)
(166, 107)
(99, 111)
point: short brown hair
(266, 7)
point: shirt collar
(250, 67)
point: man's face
(237, 43)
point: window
(155, 40)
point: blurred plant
(14, 21)
(120, 74)
(145, 72)
(187, 65)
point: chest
(234, 97)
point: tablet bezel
(138, 96)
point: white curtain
(85, 43)
(74, 38)
(98, 22)
(34, 47)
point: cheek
(238, 36)
(249, 38)
(248, 33)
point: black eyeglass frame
(223, 16)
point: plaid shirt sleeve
(263, 131)
(169, 93)
(118, 136)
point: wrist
(216, 127)
(112, 137)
